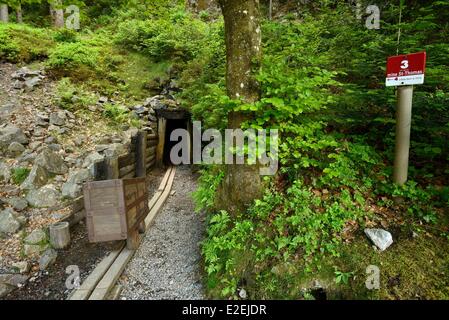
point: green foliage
(179, 36)
(73, 55)
(336, 123)
(209, 181)
(65, 35)
(342, 277)
(419, 202)
(118, 114)
(73, 97)
(20, 43)
(19, 175)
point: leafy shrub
(180, 36)
(20, 43)
(118, 114)
(65, 35)
(73, 55)
(209, 181)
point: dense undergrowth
(322, 82)
(322, 87)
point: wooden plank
(74, 218)
(110, 278)
(152, 136)
(161, 188)
(150, 159)
(77, 204)
(151, 143)
(126, 170)
(150, 151)
(165, 179)
(160, 202)
(126, 160)
(151, 164)
(129, 175)
(88, 286)
(115, 292)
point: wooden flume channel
(100, 283)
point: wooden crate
(115, 208)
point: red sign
(406, 69)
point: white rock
(381, 238)
(243, 294)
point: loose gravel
(167, 264)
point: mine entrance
(168, 121)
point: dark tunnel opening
(172, 124)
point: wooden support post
(60, 235)
(133, 240)
(111, 168)
(403, 126)
(141, 147)
(161, 127)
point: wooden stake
(162, 124)
(403, 125)
(60, 235)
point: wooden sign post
(404, 71)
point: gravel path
(167, 263)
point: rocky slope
(46, 154)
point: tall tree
(19, 15)
(17, 6)
(242, 183)
(4, 15)
(57, 13)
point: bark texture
(19, 15)
(242, 183)
(57, 14)
(4, 13)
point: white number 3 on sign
(404, 64)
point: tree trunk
(242, 183)
(57, 13)
(270, 10)
(4, 17)
(19, 14)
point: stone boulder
(10, 134)
(5, 173)
(19, 204)
(51, 161)
(58, 118)
(15, 149)
(155, 102)
(37, 237)
(45, 197)
(47, 259)
(34, 250)
(115, 150)
(10, 221)
(30, 84)
(381, 238)
(92, 158)
(25, 73)
(10, 282)
(73, 187)
(37, 178)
